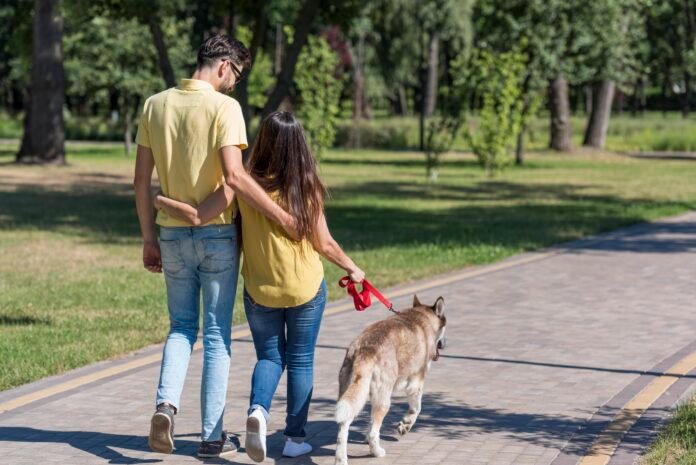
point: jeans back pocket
(219, 254)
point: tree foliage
(498, 79)
(319, 91)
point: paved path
(544, 350)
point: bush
(392, 133)
(10, 128)
(320, 93)
(93, 128)
(500, 85)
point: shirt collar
(195, 84)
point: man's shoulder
(225, 101)
(159, 97)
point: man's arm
(244, 186)
(144, 166)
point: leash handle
(361, 298)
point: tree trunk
(127, 131)
(663, 92)
(304, 22)
(433, 65)
(598, 124)
(403, 101)
(561, 128)
(686, 102)
(278, 55)
(201, 23)
(588, 100)
(44, 128)
(162, 53)
(519, 148)
(242, 89)
(619, 97)
(358, 95)
(690, 39)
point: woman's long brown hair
(282, 162)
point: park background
(450, 133)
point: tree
(444, 126)
(614, 28)
(304, 22)
(319, 91)
(150, 14)
(559, 103)
(120, 77)
(499, 80)
(44, 129)
(540, 28)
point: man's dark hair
(223, 46)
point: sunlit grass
(676, 444)
(72, 290)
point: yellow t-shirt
(186, 127)
(278, 271)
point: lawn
(73, 291)
(676, 444)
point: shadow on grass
(370, 215)
(10, 320)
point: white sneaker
(255, 441)
(295, 449)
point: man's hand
(152, 258)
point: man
(194, 135)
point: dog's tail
(354, 390)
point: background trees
(44, 138)
(391, 60)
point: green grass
(676, 444)
(650, 132)
(653, 131)
(72, 290)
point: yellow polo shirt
(278, 271)
(186, 126)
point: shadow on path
(100, 444)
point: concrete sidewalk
(543, 351)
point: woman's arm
(327, 246)
(211, 207)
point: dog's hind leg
(342, 444)
(414, 392)
(381, 401)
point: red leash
(362, 298)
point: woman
(284, 287)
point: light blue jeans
(285, 337)
(199, 261)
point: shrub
(499, 83)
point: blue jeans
(275, 350)
(199, 261)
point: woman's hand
(356, 275)
(156, 201)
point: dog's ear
(416, 302)
(439, 306)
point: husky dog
(390, 354)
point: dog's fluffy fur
(395, 353)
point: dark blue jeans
(285, 337)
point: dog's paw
(404, 427)
(378, 451)
(341, 461)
